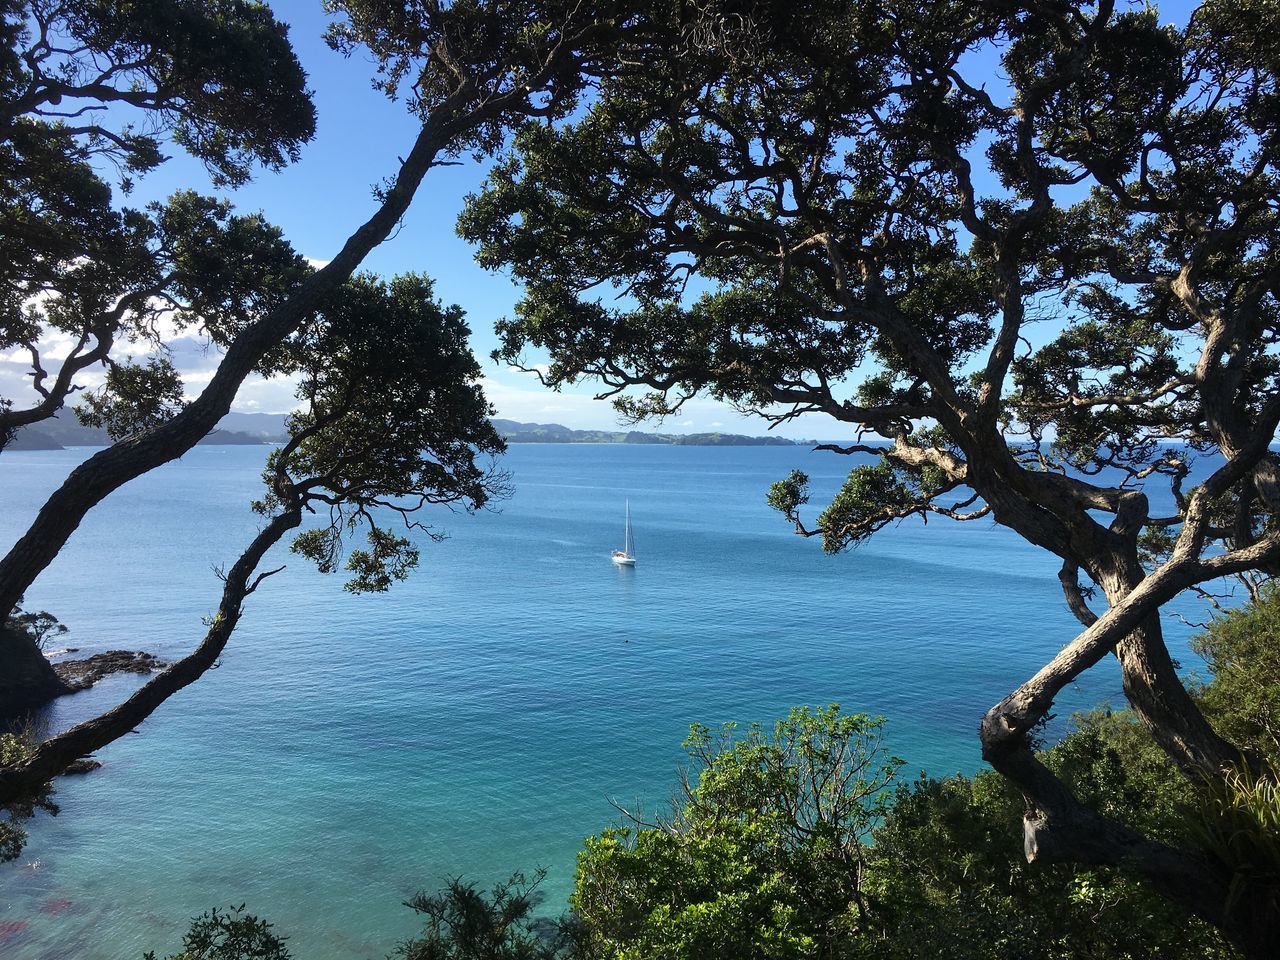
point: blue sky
(323, 197)
(328, 193)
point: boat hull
(625, 561)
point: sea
(488, 714)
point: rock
(83, 765)
(27, 680)
(82, 674)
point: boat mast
(627, 537)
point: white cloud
(259, 395)
(517, 395)
(192, 378)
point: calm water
(351, 750)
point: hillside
(255, 428)
(63, 431)
(516, 432)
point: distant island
(59, 433)
(239, 429)
(514, 432)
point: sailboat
(626, 557)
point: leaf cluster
(230, 934)
(463, 922)
(393, 422)
(40, 625)
(90, 95)
(14, 748)
(763, 852)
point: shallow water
(478, 719)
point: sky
(322, 198)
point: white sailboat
(626, 557)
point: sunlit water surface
(478, 719)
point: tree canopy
(1032, 247)
(762, 855)
(392, 419)
(91, 95)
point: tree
(1030, 246)
(948, 875)
(949, 878)
(1241, 648)
(222, 80)
(27, 679)
(793, 845)
(230, 935)
(393, 419)
(462, 922)
(40, 625)
(14, 748)
(763, 855)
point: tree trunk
(109, 469)
(27, 680)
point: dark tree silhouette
(393, 419)
(1048, 285)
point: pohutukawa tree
(392, 419)
(1032, 246)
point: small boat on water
(626, 557)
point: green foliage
(394, 422)
(388, 559)
(92, 91)
(219, 76)
(789, 495)
(229, 935)
(40, 625)
(870, 497)
(462, 922)
(227, 269)
(762, 857)
(134, 397)
(1237, 825)
(14, 748)
(950, 878)
(949, 873)
(1244, 696)
(1132, 355)
(778, 852)
(941, 870)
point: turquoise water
(478, 719)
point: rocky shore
(82, 674)
(28, 680)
